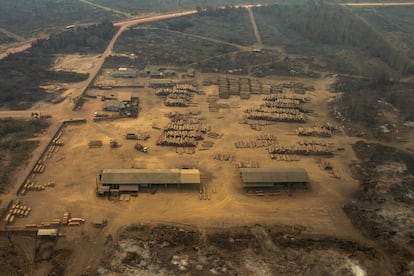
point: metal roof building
(131, 180)
(270, 177)
(158, 83)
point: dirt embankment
(253, 250)
(383, 207)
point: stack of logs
(182, 131)
(17, 210)
(279, 108)
(178, 96)
(301, 149)
(314, 131)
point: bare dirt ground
(77, 63)
(232, 233)
(74, 167)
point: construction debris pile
(279, 108)
(17, 210)
(182, 131)
(180, 95)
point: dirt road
(255, 28)
(106, 8)
(390, 4)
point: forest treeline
(359, 101)
(91, 39)
(24, 73)
(327, 23)
(16, 145)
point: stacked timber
(248, 164)
(224, 91)
(178, 99)
(17, 210)
(277, 117)
(285, 157)
(39, 168)
(314, 131)
(300, 150)
(313, 142)
(267, 136)
(95, 144)
(224, 157)
(253, 144)
(234, 87)
(182, 131)
(266, 109)
(245, 88)
(281, 104)
(276, 89)
(256, 86)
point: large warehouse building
(115, 181)
(272, 177)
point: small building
(272, 177)
(47, 233)
(132, 180)
(124, 73)
(168, 73)
(98, 221)
(161, 83)
(113, 105)
(190, 72)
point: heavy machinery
(141, 148)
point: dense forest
(25, 17)
(360, 99)
(14, 144)
(325, 23)
(24, 73)
(91, 39)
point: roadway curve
(82, 86)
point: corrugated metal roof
(128, 188)
(149, 176)
(47, 232)
(190, 176)
(273, 175)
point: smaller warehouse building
(113, 105)
(273, 177)
(161, 83)
(124, 73)
(113, 181)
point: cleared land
(318, 233)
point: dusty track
(106, 8)
(378, 4)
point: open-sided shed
(270, 177)
(131, 180)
